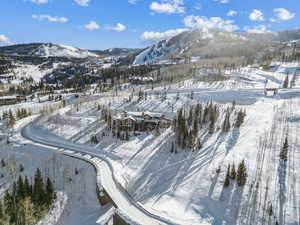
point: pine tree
(11, 119)
(242, 174)
(270, 210)
(284, 151)
(177, 96)
(226, 124)
(240, 119)
(21, 192)
(3, 164)
(233, 105)
(21, 168)
(211, 128)
(172, 147)
(233, 172)
(38, 189)
(126, 135)
(192, 95)
(195, 129)
(1, 211)
(50, 194)
(28, 187)
(227, 180)
(286, 82)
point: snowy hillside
(187, 187)
(51, 50)
(46, 50)
(215, 44)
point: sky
(102, 24)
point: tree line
(27, 202)
(204, 117)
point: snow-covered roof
(8, 97)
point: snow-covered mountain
(209, 44)
(47, 50)
(56, 50)
(53, 50)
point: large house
(141, 121)
(10, 100)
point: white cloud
(50, 18)
(132, 1)
(257, 15)
(168, 7)
(209, 23)
(82, 2)
(5, 40)
(222, 1)
(283, 15)
(92, 25)
(119, 27)
(151, 36)
(40, 1)
(199, 6)
(232, 13)
(260, 29)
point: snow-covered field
(185, 187)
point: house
(141, 121)
(10, 100)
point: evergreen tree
(227, 180)
(3, 164)
(226, 124)
(211, 128)
(50, 194)
(1, 211)
(177, 96)
(172, 147)
(240, 119)
(21, 192)
(242, 174)
(126, 135)
(21, 168)
(192, 95)
(270, 210)
(38, 189)
(284, 151)
(286, 82)
(233, 172)
(28, 187)
(11, 119)
(195, 129)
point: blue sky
(101, 24)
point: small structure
(271, 91)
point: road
(127, 207)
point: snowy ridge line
(189, 90)
(124, 201)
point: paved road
(127, 207)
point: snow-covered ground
(77, 202)
(185, 187)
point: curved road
(127, 207)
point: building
(10, 100)
(141, 121)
